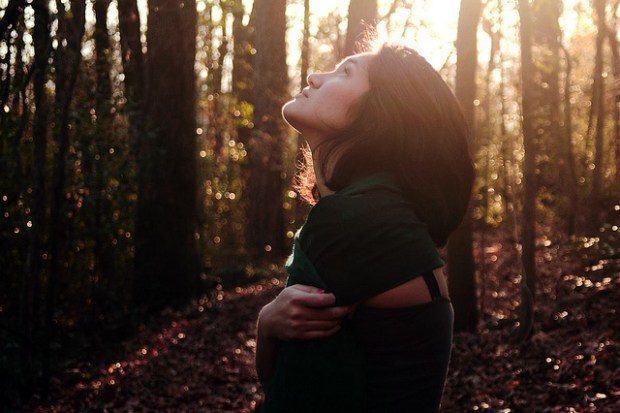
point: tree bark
(301, 207)
(102, 269)
(167, 264)
(34, 262)
(598, 102)
(460, 245)
(242, 79)
(131, 53)
(361, 14)
(265, 231)
(67, 63)
(615, 62)
(569, 173)
(305, 45)
(528, 219)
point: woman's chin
(290, 116)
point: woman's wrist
(263, 325)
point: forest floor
(201, 359)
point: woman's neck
(324, 190)
(320, 181)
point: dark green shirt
(356, 243)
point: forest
(147, 205)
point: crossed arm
(299, 312)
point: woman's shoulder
(377, 201)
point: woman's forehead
(361, 58)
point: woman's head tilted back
(388, 111)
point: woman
(365, 323)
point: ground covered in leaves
(201, 359)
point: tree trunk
(102, 51)
(598, 103)
(34, 263)
(167, 264)
(103, 262)
(67, 63)
(546, 37)
(460, 245)
(305, 45)
(615, 62)
(528, 219)
(265, 231)
(242, 54)
(131, 53)
(301, 207)
(569, 177)
(361, 14)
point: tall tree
(131, 54)
(301, 207)
(265, 231)
(569, 174)
(34, 263)
(546, 38)
(95, 164)
(361, 14)
(614, 45)
(305, 45)
(167, 264)
(528, 218)
(242, 53)
(460, 245)
(67, 64)
(598, 105)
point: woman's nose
(313, 80)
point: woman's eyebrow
(345, 61)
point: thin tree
(95, 164)
(569, 175)
(598, 104)
(528, 218)
(361, 14)
(305, 45)
(546, 38)
(301, 208)
(167, 264)
(614, 45)
(67, 63)
(30, 310)
(242, 73)
(265, 230)
(131, 57)
(461, 271)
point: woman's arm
(299, 312)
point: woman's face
(322, 107)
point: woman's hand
(301, 312)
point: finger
(316, 299)
(320, 334)
(306, 288)
(318, 325)
(330, 313)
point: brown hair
(410, 124)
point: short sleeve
(363, 245)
